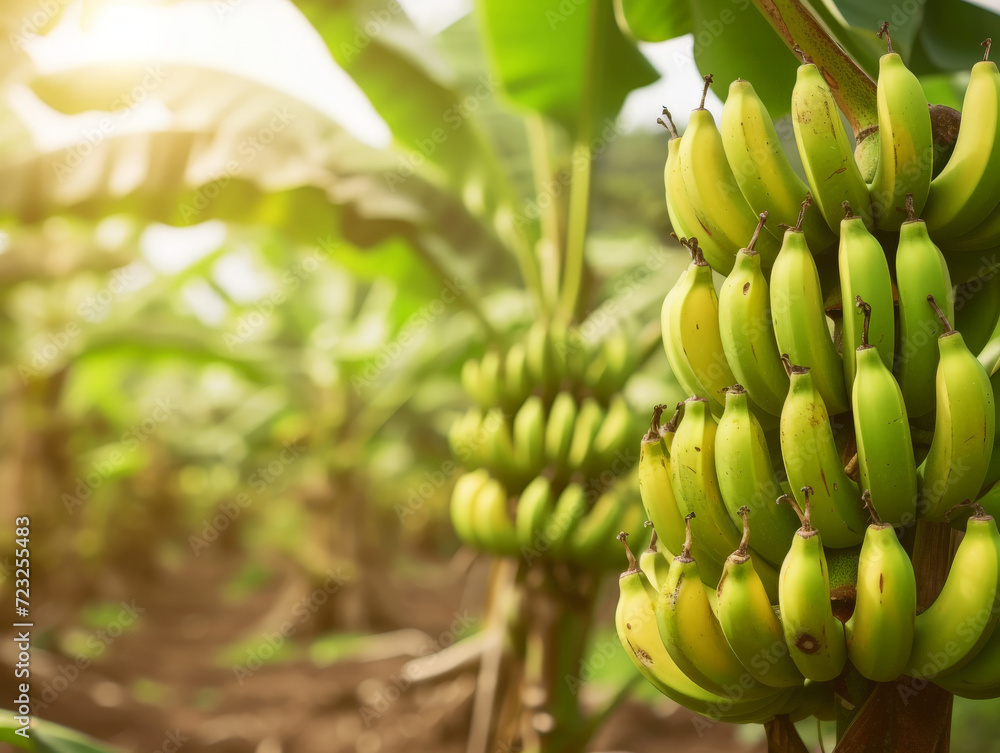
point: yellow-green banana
(799, 317)
(559, 428)
(813, 461)
(748, 621)
(534, 509)
(952, 630)
(880, 632)
(691, 333)
(814, 636)
(718, 203)
(529, 436)
(613, 434)
(920, 271)
(655, 487)
(491, 520)
(763, 172)
(747, 479)
(906, 146)
(692, 634)
(826, 152)
(964, 428)
(463, 499)
(588, 423)
(747, 331)
(516, 382)
(696, 486)
(636, 624)
(655, 561)
(864, 272)
(965, 192)
(882, 430)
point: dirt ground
(161, 686)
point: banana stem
(855, 91)
(576, 231)
(551, 240)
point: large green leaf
(653, 20)
(866, 17)
(732, 40)
(950, 36)
(568, 61)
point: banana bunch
(842, 377)
(549, 445)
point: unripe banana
(814, 636)
(763, 172)
(471, 383)
(880, 632)
(965, 192)
(613, 436)
(529, 436)
(570, 509)
(747, 332)
(540, 356)
(952, 630)
(692, 634)
(597, 528)
(799, 317)
(812, 461)
(680, 209)
(516, 382)
(490, 388)
(906, 158)
(964, 428)
(588, 423)
(882, 431)
(825, 150)
(691, 332)
(619, 354)
(696, 486)
(717, 200)
(746, 479)
(636, 624)
(463, 498)
(864, 272)
(920, 271)
(491, 520)
(655, 561)
(559, 428)
(534, 510)
(750, 625)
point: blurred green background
(245, 247)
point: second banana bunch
(847, 368)
(550, 447)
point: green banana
(880, 632)
(864, 272)
(491, 520)
(463, 497)
(696, 486)
(747, 332)
(691, 331)
(636, 625)
(964, 428)
(692, 634)
(559, 428)
(826, 153)
(655, 487)
(588, 423)
(812, 461)
(516, 382)
(746, 478)
(570, 509)
(882, 430)
(680, 208)
(529, 436)
(920, 271)
(613, 434)
(534, 509)
(951, 631)
(763, 172)
(906, 145)
(814, 636)
(718, 203)
(966, 191)
(799, 318)
(597, 528)
(750, 625)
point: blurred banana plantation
(246, 247)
